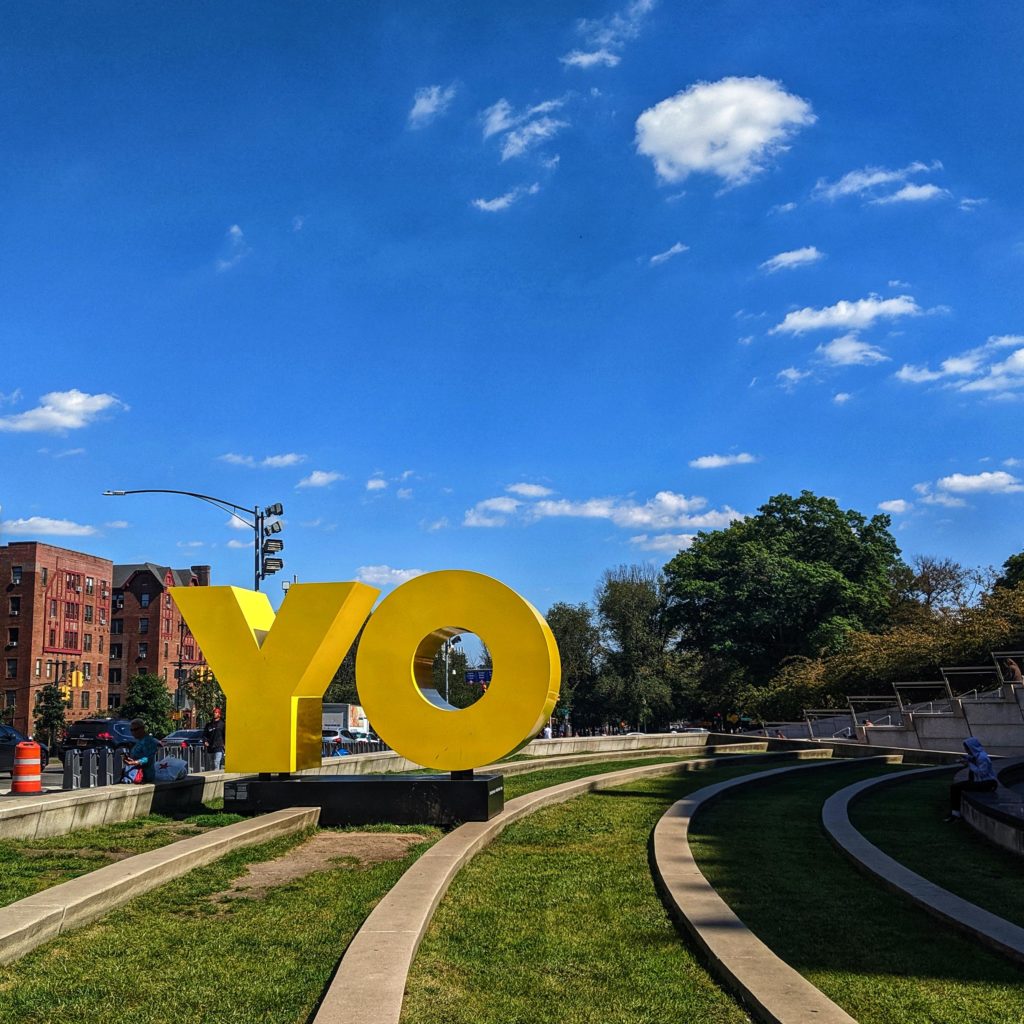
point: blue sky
(532, 291)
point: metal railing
(331, 749)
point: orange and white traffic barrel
(27, 777)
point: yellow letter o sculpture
(396, 653)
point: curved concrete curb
(772, 989)
(37, 919)
(995, 932)
(369, 985)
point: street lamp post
(266, 544)
(447, 648)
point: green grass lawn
(879, 958)
(906, 822)
(174, 955)
(530, 782)
(29, 865)
(559, 921)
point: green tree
(795, 580)
(342, 688)
(460, 693)
(149, 699)
(1013, 572)
(49, 714)
(579, 649)
(204, 694)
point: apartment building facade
(55, 627)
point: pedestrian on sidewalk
(213, 738)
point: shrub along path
(879, 958)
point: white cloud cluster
(931, 497)
(849, 350)
(850, 316)
(376, 483)
(672, 250)
(429, 103)
(237, 249)
(989, 482)
(730, 128)
(525, 490)
(606, 37)
(59, 411)
(791, 376)
(503, 202)
(41, 526)
(882, 184)
(664, 542)
(978, 369)
(268, 462)
(897, 506)
(319, 478)
(523, 130)
(794, 258)
(385, 575)
(718, 461)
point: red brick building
(54, 626)
(147, 632)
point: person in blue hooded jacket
(981, 776)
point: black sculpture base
(373, 800)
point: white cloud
(269, 462)
(791, 376)
(237, 249)
(669, 542)
(897, 506)
(503, 202)
(41, 526)
(437, 524)
(605, 37)
(593, 59)
(912, 194)
(190, 544)
(117, 524)
(870, 181)
(429, 103)
(991, 482)
(523, 130)
(841, 397)
(11, 398)
(405, 493)
(969, 205)
(856, 315)
(978, 369)
(793, 258)
(1011, 462)
(385, 576)
(491, 512)
(298, 221)
(718, 461)
(664, 257)
(233, 543)
(783, 208)
(520, 140)
(59, 411)
(730, 128)
(319, 478)
(376, 483)
(69, 453)
(849, 350)
(529, 490)
(498, 118)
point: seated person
(981, 776)
(143, 754)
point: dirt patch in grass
(322, 852)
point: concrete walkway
(995, 932)
(37, 919)
(369, 985)
(773, 990)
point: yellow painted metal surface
(397, 649)
(274, 671)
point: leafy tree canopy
(149, 699)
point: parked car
(113, 733)
(334, 740)
(184, 738)
(9, 740)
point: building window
(167, 625)
(90, 584)
(46, 575)
(143, 650)
(87, 642)
(53, 608)
(167, 600)
(114, 699)
(116, 652)
(87, 670)
(116, 626)
(143, 625)
(39, 667)
(49, 670)
(101, 643)
(115, 677)
(10, 698)
(72, 610)
(144, 600)
(70, 640)
(85, 699)
(99, 674)
(12, 668)
(99, 699)
(88, 613)
(15, 606)
(12, 636)
(16, 573)
(53, 638)
(165, 650)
